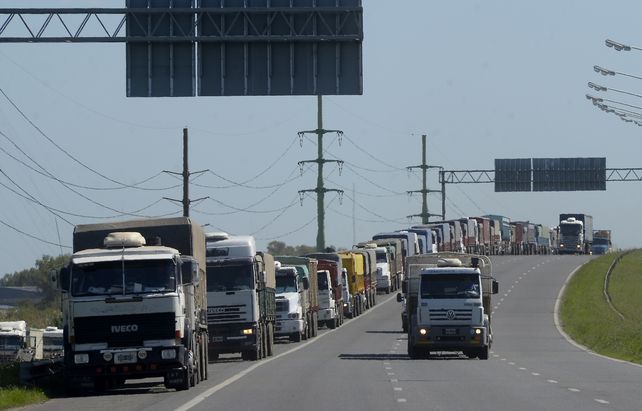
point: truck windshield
(57, 341)
(570, 229)
(286, 284)
(450, 286)
(108, 277)
(10, 342)
(600, 241)
(322, 280)
(382, 257)
(230, 277)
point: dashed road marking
(573, 390)
(401, 400)
(398, 389)
(535, 373)
(522, 368)
(601, 401)
(552, 381)
(394, 380)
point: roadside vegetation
(590, 321)
(37, 315)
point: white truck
(448, 300)
(14, 341)
(241, 297)
(52, 346)
(133, 304)
(329, 307)
(291, 303)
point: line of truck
(160, 297)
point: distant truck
(353, 263)
(134, 304)
(241, 306)
(292, 295)
(333, 298)
(14, 341)
(52, 338)
(575, 234)
(396, 259)
(448, 304)
(602, 242)
(306, 268)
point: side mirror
(190, 272)
(399, 297)
(495, 287)
(61, 279)
(306, 283)
(404, 286)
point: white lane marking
(505, 295)
(503, 359)
(386, 363)
(204, 395)
(394, 380)
(522, 368)
(397, 388)
(558, 325)
(391, 374)
(552, 381)
(601, 401)
(401, 400)
(535, 373)
(495, 355)
(573, 390)
(501, 299)
(388, 368)
(511, 363)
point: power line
(372, 212)
(245, 210)
(32, 236)
(372, 157)
(58, 146)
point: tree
(280, 248)
(38, 276)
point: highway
(363, 365)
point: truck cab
(291, 303)
(13, 340)
(449, 307)
(52, 346)
(328, 314)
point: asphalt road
(363, 365)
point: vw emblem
(450, 314)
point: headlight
(294, 316)
(107, 356)
(142, 354)
(81, 358)
(423, 331)
(578, 246)
(478, 331)
(168, 354)
(248, 331)
(345, 304)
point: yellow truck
(354, 264)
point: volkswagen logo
(450, 314)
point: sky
(482, 79)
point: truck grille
(282, 306)
(221, 314)
(443, 314)
(125, 330)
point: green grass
(587, 318)
(12, 394)
(11, 397)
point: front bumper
(327, 314)
(286, 327)
(451, 338)
(231, 339)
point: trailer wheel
(270, 340)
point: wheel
(315, 324)
(413, 352)
(388, 290)
(331, 324)
(270, 340)
(264, 342)
(483, 353)
(296, 337)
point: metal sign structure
(215, 47)
(569, 174)
(513, 174)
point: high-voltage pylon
(425, 215)
(320, 190)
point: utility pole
(186, 175)
(425, 215)
(320, 190)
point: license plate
(125, 357)
(217, 339)
(450, 331)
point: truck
(602, 242)
(370, 274)
(14, 341)
(427, 239)
(576, 234)
(241, 311)
(292, 294)
(333, 299)
(353, 263)
(396, 262)
(505, 239)
(52, 346)
(306, 268)
(448, 304)
(134, 304)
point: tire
(270, 340)
(331, 324)
(296, 337)
(185, 383)
(315, 324)
(413, 352)
(483, 353)
(264, 341)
